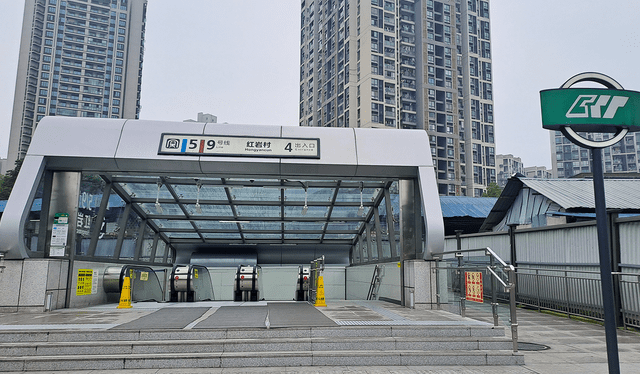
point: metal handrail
(509, 286)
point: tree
(7, 182)
(493, 190)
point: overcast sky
(239, 60)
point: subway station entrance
(96, 199)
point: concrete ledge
(259, 359)
(92, 335)
(19, 336)
(354, 331)
(356, 358)
(74, 363)
(162, 363)
(272, 359)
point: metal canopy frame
(184, 210)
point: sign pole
(610, 110)
(605, 263)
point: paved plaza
(574, 346)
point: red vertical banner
(473, 283)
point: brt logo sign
(596, 103)
(590, 109)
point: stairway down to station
(255, 347)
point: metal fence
(578, 292)
(574, 292)
(557, 266)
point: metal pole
(605, 263)
(512, 308)
(494, 293)
(463, 289)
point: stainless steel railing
(498, 272)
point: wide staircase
(202, 345)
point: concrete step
(208, 334)
(254, 345)
(258, 359)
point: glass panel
(202, 284)
(172, 224)
(147, 245)
(183, 235)
(313, 194)
(160, 250)
(109, 230)
(166, 209)
(318, 226)
(331, 226)
(386, 247)
(262, 236)
(373, 242)
(312, 211)
(144, 190)
(171, 255)
(348, 212)
(131, 232)
(258, 211)
(91, 190)
(255, 194)
(206, 192)
(210, 210)
(261, 226)
(353, 194)
(216, 225)
(221, 235)
(365, 247)
(303, 236)
(340, 236)
(32, 225)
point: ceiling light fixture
(361, 208)
(158, 206)
(305, 207)
(198, 186)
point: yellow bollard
(125, 295)
(320, 293)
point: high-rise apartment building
(568, 159)
(408, 64)
(78, 58)
(508, 165)
(539, 172)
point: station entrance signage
(238, 146)
(590, 109)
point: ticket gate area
(246, 284)
(190, 283)
(302, 284)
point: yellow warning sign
(125, 295)
(320, 293)
(473, 283)
(85, 282)
(195, 273)
(144, 276)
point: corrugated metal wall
(567, 244)
(630, 243)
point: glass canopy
(187, 210)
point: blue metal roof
(463, 206)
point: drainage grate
(522, 346)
